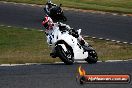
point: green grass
(108, 50)
(23, 46)
(121, 6)
(18, 45)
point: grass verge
(120, 6)
(108, 50)
(18, 45)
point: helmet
(49, 4)
(47, 22)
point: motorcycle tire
(92, 58)
(66, 57)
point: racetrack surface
(93, 24)
(60, 75)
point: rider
(49, 6)
(50, 26)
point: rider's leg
(84, 44)
(82, 41)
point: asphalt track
(98, 25)
(60, 75)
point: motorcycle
(56, 13)
(68, 48)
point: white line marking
(107, 39)
(24, 4)
(113, 60)
(36, 63)
(100, 38)
(86, 36)
(113, 40)
(40, 30)
(59, 62)
(93, 37)
(32, 5)
(2, 25)
(25, 28)
(131, 43)
(12, 64)
(114, 14)
(118, 41)
(9, 26)
(125, 42)
(4, 2)
(124, 15)
(81, 62)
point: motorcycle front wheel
(92, 58)
(65, 56)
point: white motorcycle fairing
(57, 35)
